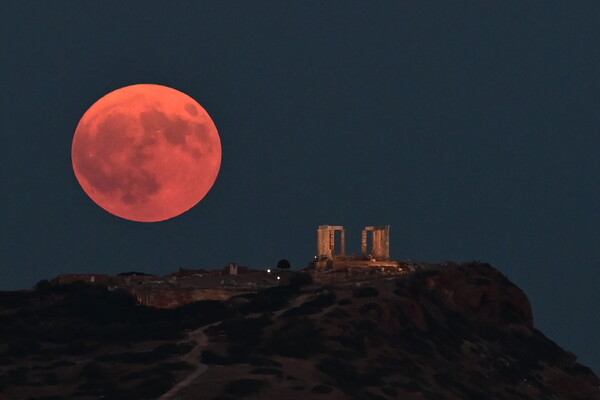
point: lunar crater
(191, 109)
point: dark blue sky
(472, 129)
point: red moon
(146, 152)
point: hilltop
(452, 331)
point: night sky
(471, 128)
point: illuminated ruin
(375, 248)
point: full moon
(146, 152)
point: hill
(453, 331)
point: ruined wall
(355, 274)
(87, 278)
(176, 296)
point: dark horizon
(472, 131)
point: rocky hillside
(453, 331)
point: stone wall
(87, 278)
(173, 297)
(350, 274)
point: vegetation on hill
(453, 331)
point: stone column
(386, 242)
(319, 242)
(323, 241)
(376, 244)
(331, 243)
(343, 242)
(363, 242)
(381, 242)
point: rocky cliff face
(451, 331)
(481, 292)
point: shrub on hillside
(298, 338)
(153, 388)
(313, 306)
(321, 389)
(160, 353)
(201, 313)
(93, 371)
(209, 357)
(244, 387)
(78, 347)
(301, 279)
(267, 371)
(15, 377)
(173, 349)
(365, 291)
(271, 299)
(337, 313)
(244, 331)
(347, 375)
(50, 397)
(23, 348)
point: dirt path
(297, 301)
(193, 358)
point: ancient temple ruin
(380, 242)
(375, 247)
(326, 241)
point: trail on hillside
(193, 358)
(297, 301)
(200, 338)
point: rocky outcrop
(482, 292)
